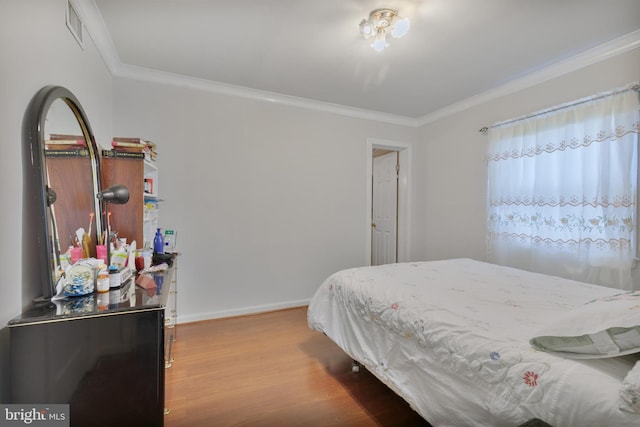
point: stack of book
(133, 148)
(62, 145)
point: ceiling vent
(74, 23)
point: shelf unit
(151, 212)
(150, 179)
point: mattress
(452, 338)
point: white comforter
(451, 337)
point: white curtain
(562, 190)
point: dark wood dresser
(103, 354)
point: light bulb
(400, 28)
(365, 28)
(380, 42)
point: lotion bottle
(158, 243)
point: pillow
(629, 398)
(606, 327)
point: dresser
(103, 354)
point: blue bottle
(158, 243)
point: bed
(468, 343)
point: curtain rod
(635, 87)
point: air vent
(75, 24)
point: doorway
(384, 207)
(388, 228)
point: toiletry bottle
(158, 243)
(115, 279)
(102, 281)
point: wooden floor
(271, 370)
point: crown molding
(163, 77)
(599, 53)
(97, 29)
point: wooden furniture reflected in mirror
(60, 183)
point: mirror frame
(38, 249)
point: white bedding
(452, 338)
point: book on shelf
(129, 140)
(64, 147)
(123, 154)
(65, 142)
(58, 136)
(129, 149)
(132, 144)
(118, 144)
(67, 153)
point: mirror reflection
(68, 177)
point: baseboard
(241, 311)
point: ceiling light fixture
(381, 22)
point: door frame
(404, 192)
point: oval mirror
(61, 175)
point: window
(562, 188)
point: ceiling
(311, 50)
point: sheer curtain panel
(562, 190)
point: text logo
(34, 415)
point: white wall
(268, 200)
(451, 187)
(36, 50)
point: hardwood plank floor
(270, 369)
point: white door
(384, 213)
